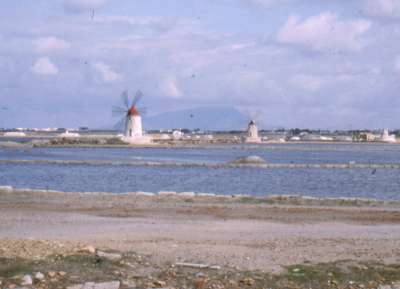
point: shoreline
(97, 142)
(241, 198)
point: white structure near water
(68, 134)
(252, 133)
(177, 134)
(386, 137)
(15, 134)
(133, 128)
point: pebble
(159, 284)
(27, 280)
(88, 249)
(109, 256)
(52, 274)
(200, 280)
(39, 276)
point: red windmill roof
(133, 111)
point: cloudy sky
(288, 63)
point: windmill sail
(131, 122)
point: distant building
(133, 128)
(68, 134)
(252, 133)
(366, 136)
(177, 134)
(386, 137)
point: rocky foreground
(71, 240)
(91, 268)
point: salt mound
(15, 134)
(250, 160)
(68, 134)
(11, 144)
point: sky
(328, 64)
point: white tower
(386, 137)
(133, 133)
(252, 133)
(133, 127)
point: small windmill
(131, 120)
(252, 129)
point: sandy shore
(239, 233)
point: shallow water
(382, 184)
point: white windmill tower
(252, 133)
(252, 128)
(132, 120)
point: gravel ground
(239, 233)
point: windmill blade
(137, 97)
(125, 99)
(118, 111)
(142, 110)
(120, 125)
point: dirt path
(223, 232)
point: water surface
(382, 184)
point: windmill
(131, 121)
(252, 129)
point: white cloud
(397, 64)
(324, 32)
(382, 8)
(44, 66)
(169, 87)
(83, 5)
(107, 74)
(50, 44)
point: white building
(388, 138)
(177, 134)
(69, 134)
(133, 128)
(252, 133)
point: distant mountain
(204, 118)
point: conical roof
(133, 111)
